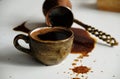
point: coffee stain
(21, 28)
(81, 69)
(75, 78)
(26, 27)
(78, 69)
(83, 43)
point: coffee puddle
(83, 43)
(21, 28)
(81, 69)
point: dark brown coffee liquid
(54, 35)
(83, 43)
(61, 16)
(21, 28)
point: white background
(17, 65)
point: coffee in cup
(49, 45)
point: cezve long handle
(101, 35)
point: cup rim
(49, 41)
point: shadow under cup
(49, 45)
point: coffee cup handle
(18, 46)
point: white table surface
(17, 65)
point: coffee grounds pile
(81, 69)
